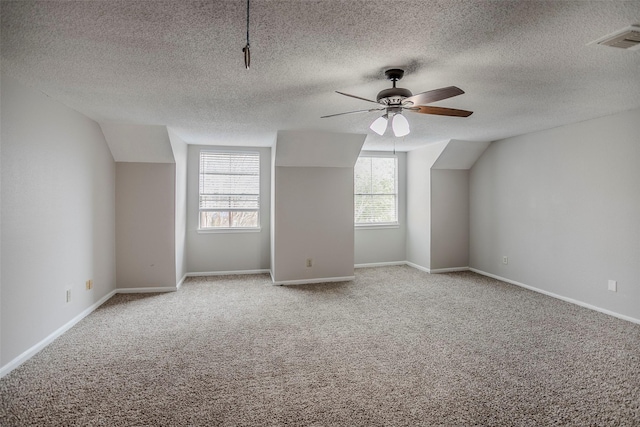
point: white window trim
(378, 226)
(383, 225)
(219, 230)
(229, 230)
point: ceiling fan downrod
(394, 95)
(394, 74)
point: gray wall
(227, 251)
(179, 148)
(564, 206)
(312, 203)
(419, 163)
(152, 144)
(58, 216)
(380, 245)
(145, 225)
(313, 219)
(449, 219)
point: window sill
(376, 226)
(228, 230)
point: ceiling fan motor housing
(393, 96)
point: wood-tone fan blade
(440, 111)
(352, 112)
(433, 95)
(357, 97)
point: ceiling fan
(395, 100)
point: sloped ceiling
(460, 154)
(524, 65)
(138, 143)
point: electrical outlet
(613, 286)
(309, 262)
(505, 260)
(88, 284)
(68, 295)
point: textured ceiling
(524, 65)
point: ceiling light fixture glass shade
(379, 126)
(400, 125)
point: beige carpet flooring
(395, 347)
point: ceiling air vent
(627, 38)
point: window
(229, 190)
(376, 190)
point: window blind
(229, 181)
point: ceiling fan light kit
(379, 125)
(400, 125)
(393, 101)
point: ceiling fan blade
(358, 97)
(352, 112)
(433, 95)
(440, 111)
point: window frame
(258, 227)
(390, 224)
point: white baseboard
(151, 289)
(560, 297)
(449, 270)
(4, 370)
(437, 270)
(226, 273)
(418, 267)
(309, 281)
(179, 284)
(55, 334)
(380, 264)
(26, 355)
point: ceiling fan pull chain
(247, 52)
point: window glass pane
(229, 189)
(383, 177)
(214, 219)
(375, 187)
(244, 219)
(362, 175)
